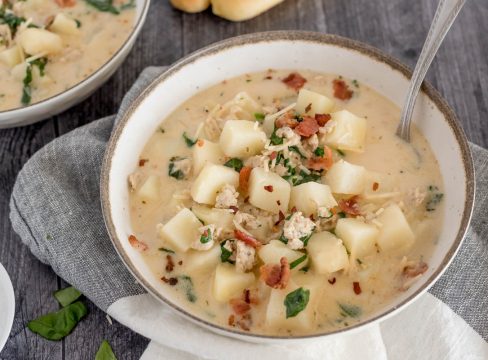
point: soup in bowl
(270, 198)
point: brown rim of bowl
(349, 44)
(135, 31)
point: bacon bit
(295, 81)
(268, 188)
(231, 320)
(294, 209)
(248, 239)
(273, 155)
(170, 265)
(307, 127)
(239, 306)
(411, 271)
(250, 297)
(142, 162)
(322, 163)
(308, 108)
(247, 296)
(65, 3)
(375, 186)
(137, 244)
(234, 209)
(287, 119)
(356, 287)
(281, 217)
(172, 281)
(350, 206)
(322, 119)
(200, 142)
(244, 175)
(276, 276)
(341, 90)
(332, 281)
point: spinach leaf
(319, 151)
(166, 250)
(283, 239)
(56, 325)
(26, 90)
(298, 261)
(67, 295)
(224, 253)
(305, 239)
(434, 198)
(296, 301)
(350, 310)
(275, 139)
(105, 352)
(189, 141)
(305, 178)
(104, 6)
(259, 117)
(187, 285)
(11, 20)
(173, 170)
(40, 63)
(295, 149)
(235, 164)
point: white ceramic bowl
(58, 103)
(7, 306)
(286, 50)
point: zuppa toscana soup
(48, 46)
(283, 203)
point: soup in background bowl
(269, 198)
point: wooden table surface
(460, 73)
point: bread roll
(191, 6)
(238, 10)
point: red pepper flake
(307, 127)
(268, 188)
(308, 108)
(295, 81)
(322, 119)
(244, 175)
(231, 320)
(375, 186)
(281, 217)
(142, 162)
(273, 155)
(332, 281)
(356, 287)
(350, 206)
(170, 265)
(200, 142)
(248, 239)
(137, 244)
(234, 209)
(341, 90)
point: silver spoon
(446, 12)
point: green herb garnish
(283, 239)
(259, 117)
(173, 170)
(305, 178)
(298, 261)
(67, 295)
(235, 164)
(350, 310)
(206, 236)
(11, 20)
(78, 23)
(341, 214)
(434, 198)
(104, 6)
(189, 141)
(295, 149)
(319, 152)
(40, 63)
(26, 90)
(305, 269)
(187, 285)
(225, 254)
(305, 239)
(275, 139)
(166, 250)
(128, 5)
(296, 301)
(355, 83)
(105, 352)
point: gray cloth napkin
(56, 211)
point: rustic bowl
(286, 50)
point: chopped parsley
(350, 310)
(296, 301)
(187, 284)
(173, 170)
(27, 81)
(225, 254)
(259, 117)
(104, 6)
(295, 149)
(206, 236)
(305, 238)
(298, 261)
(166, 250)
(11, 20)
(275, 139)
(319, 151)
(189, 141)
(235, 164)
(341, 214)
(302, 178)
(434, 198)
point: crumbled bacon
(137, 244)
(248, 239)
(143, 162)
(231, 320)
(281, 217)
(250, 296)
(200, 142)
(321, 163)
(415, 270)
(295, 81)
(268, 188)
(172, 280)
(287, 120)
(276, 276)
(170, 265)
(332, 281)
(322, 119)
(244, 175)
(341, 90)
(375, 186)
(240, 307)
(356, 287)
(350, 206)
(307, 127)
(65, 3)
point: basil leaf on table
(67, 295)
(296, 301)
(56, 325)
(105, 352)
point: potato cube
(242, 138)
(181, 230)
(205, 152)
(275, 250)
(346, 178)
(36, 41)
(209, 182)
(395, 232)
(149, 191)
(12, 56)
(359, 237)
(318, 103)
(308, 197)
(268, 191)
(348, 133)
(221, 218)
(63, 24)
(229, 283)
(327, 253)
(202, 261)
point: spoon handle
(446, 12)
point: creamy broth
(70, 41)
(397, 176)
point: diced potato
(209, 182)
(359, 237)
(12, 56)
(346, 178)
(395, 232)
(202, 261)
(181, 230)
(36, 41)
(242, 138)
(229, 283)
(349, 132)
(149, 191)
(63, 24)
(275, 250)
(205, 152)
(327, 253)
(318, 103)
(221, 218)
(310, 196)
(274, 197)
